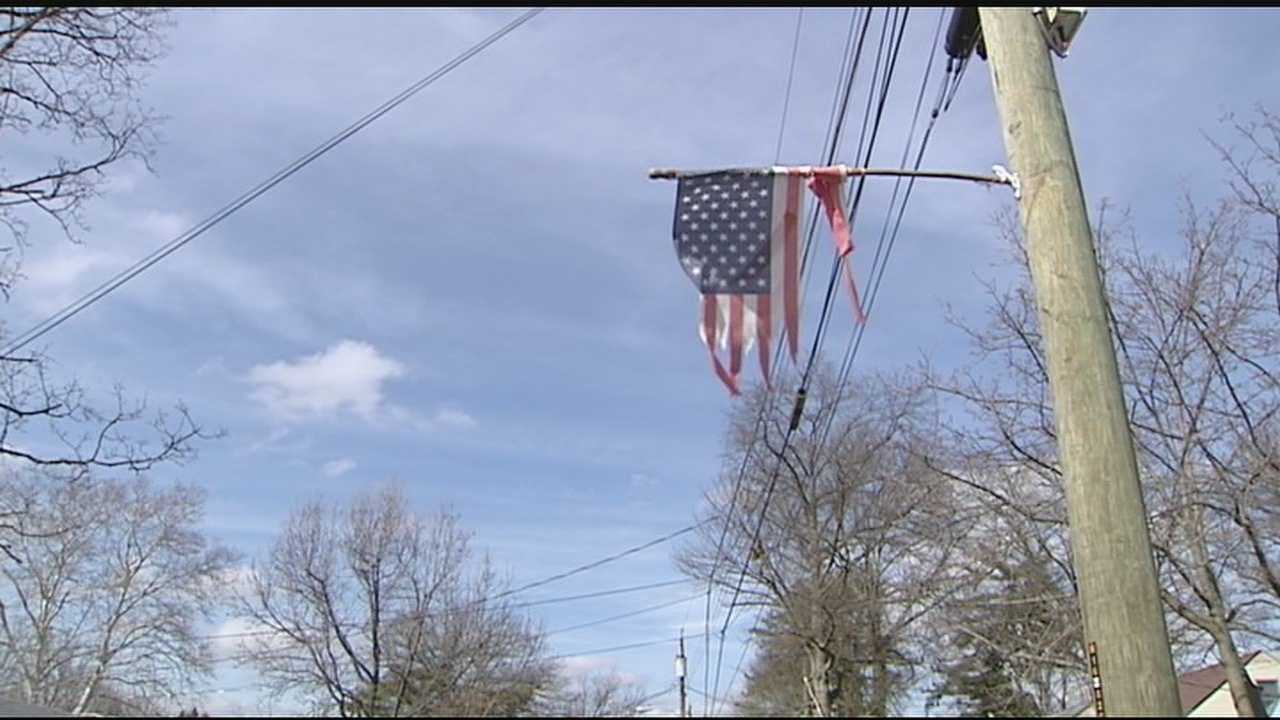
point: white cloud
(348, 376)
(339, 467)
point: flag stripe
(735, 334)
(791, 264)
(710, 316)
(764, 331)
(858, 313)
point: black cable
(728, 688)
(280, 176)
(619, 648)
(880, 263)
(648, 698)
(835, 126)
(836, 130)
(955, 86)
(623, 616)
(599, 594)
(820, 336)
(791, 75)
(539, 583)
(770, 400)
(602, 561)
(822, 321)
(526, 604)
(715, 700)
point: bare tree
(770, 688)
(855, 547)
(111, 579)
(55, 432)
(1195, 336)
(1254, 180)
(70, 80)
(594, 695)
(71, 74)
(1009, 642)
(373, 610)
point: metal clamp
(1010, 179)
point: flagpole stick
(1001, 177)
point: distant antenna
(682, 667)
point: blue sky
(477, 296)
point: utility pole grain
(1119, 594)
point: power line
(649, 698)
(623, 616)
(890, 66)
(539, 583)
(603, 561)
(742, 658)
(877, 268)
(600, 594)
(840, 102)
(822, 321)
(715, 699)
(880, 262)
(517, 605)
(549, 601)
(620, 648)
(280, 176)
(791, 76)
(768, 404)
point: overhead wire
(544, 581)
(770, 399)
(876, 273)
(822, 321)
(621, 648)
(881, 259)
(746, 646)
(835, 123)
(622, 616)
(110, 285)
(782, 126)
(603, 561)
(864, 159)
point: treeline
(916, 544)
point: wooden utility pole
(1119, 594)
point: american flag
(736, 235)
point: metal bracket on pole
(1059, 25)
(1008, 178)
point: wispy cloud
(579, 666)
(453, 418)
(338, 468)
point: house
(1205, 693)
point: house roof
(1194, 687)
